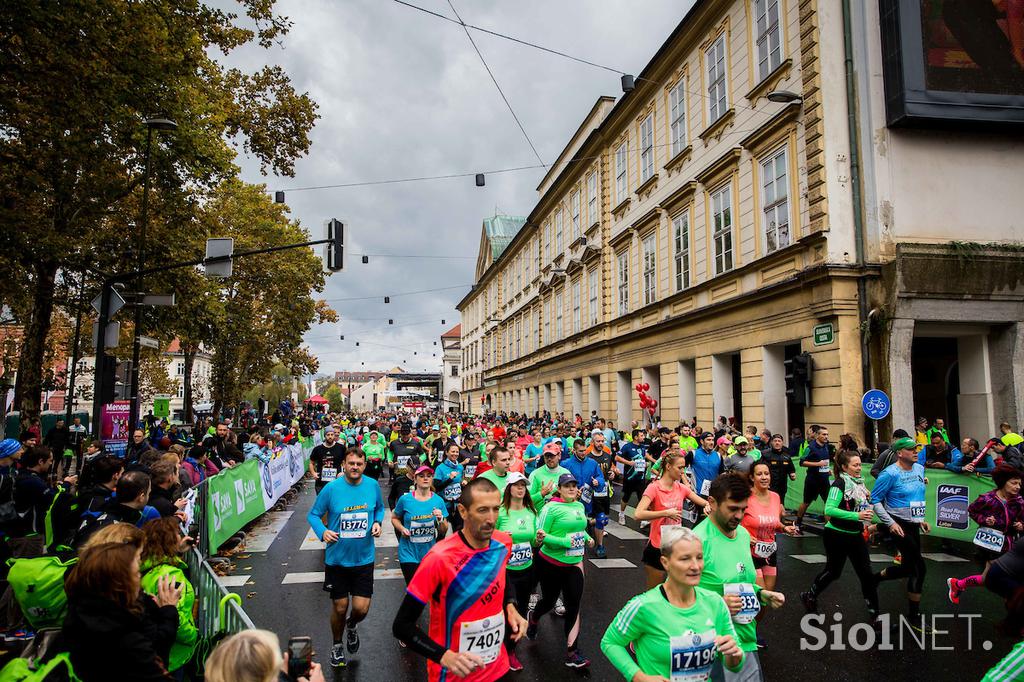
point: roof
(455, 332)
(500, 231)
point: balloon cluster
(647, 403)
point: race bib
(764, 550)
(750, 607)
(403, 462)
(483, 637)
(522, 554)
(586, 494)
(328, 474)
(421, 532)
(917, 510)
(692, 656)
(353, 524)
(705, 488)
(579, 541)
(601, 493)
(452, 492)
(470, 471)
(689, 512)
(990, 539)
(640, 466)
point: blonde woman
(252, 656)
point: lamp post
(70, 400)
(162, 124)
(5, 387)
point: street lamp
(784, 97)
(163, 125)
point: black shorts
(601, 504)
(814, 487)
(652, 557)
(342, 581)
(772, 561)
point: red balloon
(647, 387)
(639, 388)
(654, 403)
(651, 411)
(644, 402)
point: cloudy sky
(403, 94)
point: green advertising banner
(948, 494)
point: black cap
(565, 479)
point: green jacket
(185, 643)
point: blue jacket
(960, 460)
(706, 467)
(443, 479)
(585, 471)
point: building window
(766, 26)
(509, 329)
(681, 253)
(547, 321)
(591, 199)
(519, 337)
(455, 370)
(595, 287)
(574, 206)
(549, 240)
(519, 273)
(775, 199)
(577, 311)
(623, 271)
(179, 368)
(181, 389)
(528, 336)
(647, 148)
(677, 115)
(621, 180)
(721, 210)
(558, 315)
(558, 232)
(650, 256)
(718, 98)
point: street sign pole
(97, 382)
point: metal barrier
(218, 609)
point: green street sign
(824, 334)
(161, 407)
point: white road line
(810, 558)
(943, 557)
(387, 536)
(263, 535)
(618, 507)
(881, 558)
(623, 532)
(233, 580)
(318, 576)
(613, 563)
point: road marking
(943, 557)
(233, 580)
(623, 532)
(810, 558)
(613, 563)
(318, 576)
(881, 558)
(629, 510)
(387, 536)
(263, 535)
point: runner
(742, 459)
(898, 499)
(374, 450)
(420, 519)
(729, 571)
(780, 464)
(469, 456)
(404, 456)
(762, 520)
(518, 518)
(587, 471)
(662, 505)
(463, 580)
(354, 509)
(999, 514)
(326, 459)
(817, 459)
(544, 480)
(533, 456)
(706, 463)
(448, 482)
(634, 456)
(560, 567)
(677, 630)
(499, 459)
(848, 512)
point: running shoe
(810, 602)
(352, 640)
(600, 552)
(18, 635)
(622, 518)
(898, 559)
(954, 593)
(531, 625)
(644, 524)
(577, 660)
(513, 662)
(338, 655)
(559, 607)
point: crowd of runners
(495, 515)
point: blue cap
(9, 446)
(565, 479)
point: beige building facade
(695, 234)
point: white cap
(516, 477)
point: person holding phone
(255, 656)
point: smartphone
(300, 657)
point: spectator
(138, 446)
(57, 440)
(252, 656)
(125, 506)
(98, 482)
(921, 433)
(969, 451)
(198, 465)
(113, 630)
(1009, 437)
(938, 454)
(161, 558)
(184, 477)
(1009, 453)
(32, 498)
(939, 427)
(165, 480)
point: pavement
(280, 574)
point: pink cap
(423, 468)
(724, 440)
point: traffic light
(335, 245)
(108, 388)
(799, 369)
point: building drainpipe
(858, 210)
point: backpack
(61, 520)
(38, 585)
(57, 669)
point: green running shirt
(521, 524)
(728, 561)
(565, 528)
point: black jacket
(108, 643)
(162, 500)
(111, 512)
(134, 451)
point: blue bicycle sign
(876, 404)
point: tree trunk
(33, 344)
(190, 358)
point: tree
(335, 398)
(78, 79)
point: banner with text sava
(242, 493)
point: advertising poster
(951, 506)
(114, 428)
